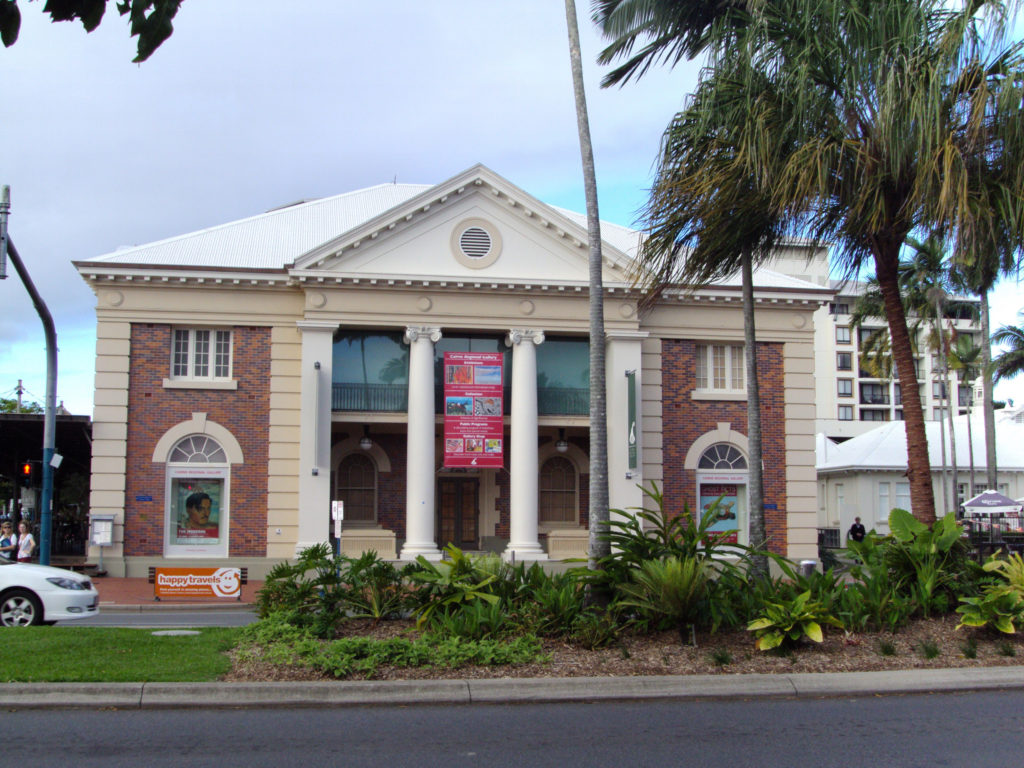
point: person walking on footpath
(8, 541)
(26, 543)
(857, 531)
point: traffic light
(28, 473)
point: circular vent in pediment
(476, 243)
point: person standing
(857, 531)
(26, 543)
(8, 541)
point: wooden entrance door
(458, 512)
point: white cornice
(145, 275)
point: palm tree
(905, 117)
(1010, 361)
(708, 218)
(599, 506)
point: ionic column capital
(417, 332)
(519, 335)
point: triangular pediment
(477, 227)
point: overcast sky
(252, 104)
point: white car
(39, 594)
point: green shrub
(450, 582)
(999, 605)
(930, 649)
(721, 657)
(472, 620)
(668, 591)
(320, 590)
(594, 629)
(282, 643)
(785, 622)
(642, 535)
(550, 605)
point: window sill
(199, 384)
(710, 394)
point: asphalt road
(980, 730)
(165, 618)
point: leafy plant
(999, 605)
(886, 648)
(550, 606)
(785, 622)
(668, 590)
(449, 583)
(1007, 648)
(924, 560)
(375, 588)
(475, 620)
(970, 648)
(930, 649)
(594, 629)
(721, 657)
(643, 534)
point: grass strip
(112, 655)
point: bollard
(807, 567)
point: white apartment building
(850, 400)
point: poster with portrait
(196, 509)
(473, 409)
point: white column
(623, 354)
(315, 433)
(523, 467)
(419, 473)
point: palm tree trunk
(987, 404)
(922, 496)
(599, 506)
(970, 444)
(954, 403)
(758, 539)
(942, 467)
(942, 428)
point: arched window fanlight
(198, 449)
(722, 456)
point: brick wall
(685, 419)
(152, 410)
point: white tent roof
(991, 502)
(885, 448)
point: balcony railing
(390, 398)
(563, 401)
(394, 398)
(874, 399)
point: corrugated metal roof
(885, 448)
(273, 239)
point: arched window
(558, 491)
(356, 486)
(722, 456)
(198, 449)
(198, 475)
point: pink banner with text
(473, 410)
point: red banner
(473, 410)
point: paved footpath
(126, 594)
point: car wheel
(19, 608)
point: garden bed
(731, 652)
